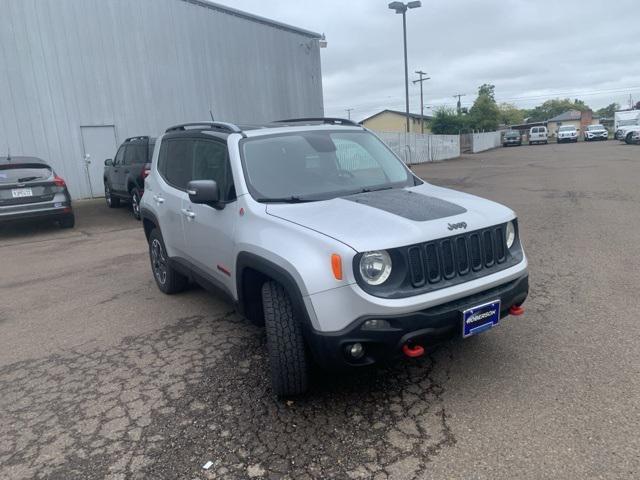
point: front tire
(167, 279)
(135, 203)
(627, 139)
(285, 343)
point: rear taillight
(59, 181)
(146, 170)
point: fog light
(376, 324)
(356, 350)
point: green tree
(510, 114)
(608, 111)
(556, 106)
(447, 122)
(487, 89)
(484, 114)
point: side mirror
(108, 162)
(204, 192)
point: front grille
(449, 260)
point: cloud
(530, 50)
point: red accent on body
(413, 351)
(516, 310)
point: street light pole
(400, 7)
(421, 80)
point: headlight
(375, 267)
(511, 234)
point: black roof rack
(325, 120)
(224, 126)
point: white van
(538, 135)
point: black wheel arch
(252, 271)
(149, 221)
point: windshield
(567, 129)
(512, 134)
(23, 173)
(595, 127)
(317, 165)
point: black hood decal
(408, 204)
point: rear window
(24, 173)
(567, 129)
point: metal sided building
(77, 77)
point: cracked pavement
(102, 376)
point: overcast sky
(530, 50)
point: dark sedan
(29, 188)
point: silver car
(314, 228)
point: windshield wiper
(291, 199)
(27, 179)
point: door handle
(188, 213)
(158, 199)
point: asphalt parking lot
(102, 376)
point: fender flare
(147, 216)
(276, 272)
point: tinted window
(136, 154)
(176, 160)
(119, 156)
(23, 173)
(210, 163)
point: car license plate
(21, 192)
(480, 318)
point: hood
(394, 218)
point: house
(396, 121)
(580, 120)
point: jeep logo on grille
(455, 226)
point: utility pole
(459, 106)
(401, 8)
(421, 80)
(348, 110)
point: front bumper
(424, 327)
(567, 139)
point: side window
(210, 162)
(175, 161)
(119, 156)
(136, 154)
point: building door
(99, 143)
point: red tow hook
(516, 310)
(413, 351)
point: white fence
(486, 141)
(420, 148)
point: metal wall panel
(141, 65)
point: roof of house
(415, 116)
(567, 116)
(254, 18)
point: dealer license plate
(480, 318)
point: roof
(253, 18)
(567, 116)
(415, 116)
(17, 160)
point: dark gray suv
(29, 188)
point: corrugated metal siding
(141, 65)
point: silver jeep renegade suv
(314, 228)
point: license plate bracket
(479, 318)
(21, 192)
